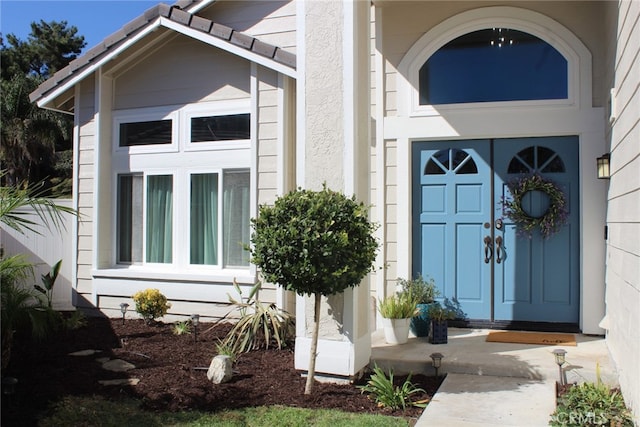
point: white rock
(117, 365)
(123, 381)
(220, 369)
(84, 353)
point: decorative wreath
(551, 221)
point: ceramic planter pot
(396, 331)
(438, 332)
(420, 323)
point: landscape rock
(84, 353)
(220, 369)
(117, 365)
(122, 381)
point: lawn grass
(99, 412)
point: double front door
(462, 238)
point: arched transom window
(493, 65)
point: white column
(333, 147)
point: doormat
(541, 338)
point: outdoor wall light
(9, 385)
(195, 320)
(560, 354)
(436, 361)
(123, 310)
(603, 166)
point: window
(220, 128)
(188, 208)
(492, 65)
(451, 159)
(145, 133)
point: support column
(333, 147)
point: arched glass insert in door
(457, 161)
(492, 65)
(536, 159)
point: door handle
(488, 249)
(498, 249)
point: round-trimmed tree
(314, 243)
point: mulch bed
(172, 373)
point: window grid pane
(159, 218)
(129, 218)
(220, 128)
(204, 219)
(236, 216)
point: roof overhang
(57, 92)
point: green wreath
(555, 217)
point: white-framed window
(149, 130)
(187, 208)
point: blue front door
(462, 239)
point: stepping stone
(117, 365)
(123, 381)
(84, 352)
(102, 360)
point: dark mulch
(170, 369)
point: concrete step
(467, 352)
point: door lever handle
(498, 249)
(488, 249)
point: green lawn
(98, 412)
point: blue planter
(420, 323)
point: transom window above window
(220, 128)
(493, 65)
(457, 161)
(146, 133)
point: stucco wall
(623, 246)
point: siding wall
(623, 248)
(83, 192)
(272, 22)
(180, 72)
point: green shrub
(389, 395)
(181, 328)
(224, 348)
(399, 306)
(260, 325)
(151, 304)
(592, 404)
(424, 291)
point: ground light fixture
(123, 310)
(436, 361)
(559, 354)
(195, 320)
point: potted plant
(438, 329)
(396, 312)
(424, 291)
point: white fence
(44, 250)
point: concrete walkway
(493, 384)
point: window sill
(169, 274)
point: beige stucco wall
(623, 245)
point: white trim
(253, 151)
(381, 173)
(229, 47)
(543, 27)
(348, 97)
(301, 97)
(76, 195)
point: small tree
(314, 243)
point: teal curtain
(159, 218)
(204, 219)
(236, 216)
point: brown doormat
(541, 338)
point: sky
(95, 19)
